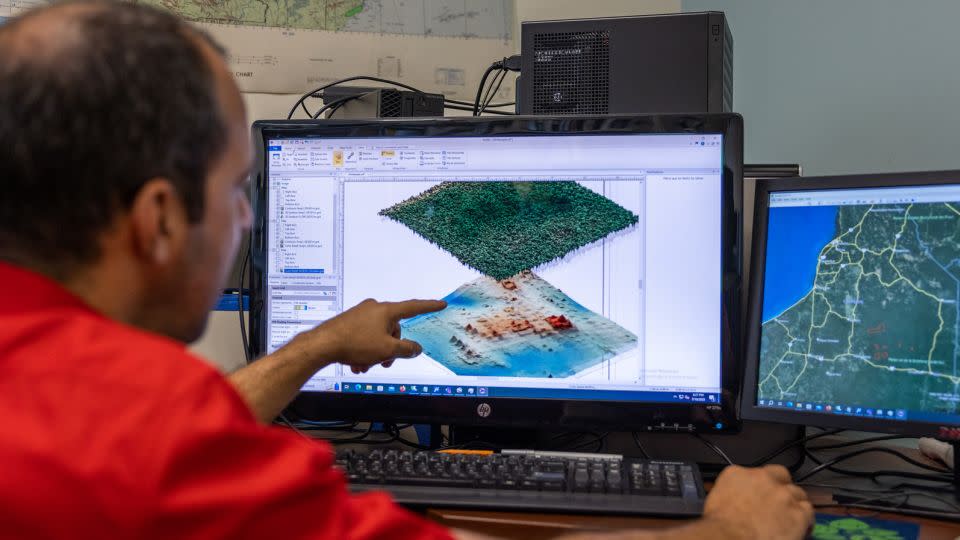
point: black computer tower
(644, 64)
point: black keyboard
(529, 480)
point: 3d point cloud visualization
(511, 322)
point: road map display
(861, 304)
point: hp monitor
(590, 265)
(855, 303)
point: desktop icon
(379, 388)
(789, 404)
(459, 389)
(403, 388)
(359, 387)
(809, 406)
(391, 389)
(829, 408)
(469, 390)
(369, 387)
(336, 386)
(481, 391)
(819, 407)
(859, 410)
(436, 389)
(901, 414)
(448, 390)
(869, 412)
(413, 388)
(890, 413)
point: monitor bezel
(511, 412)
(750, 409)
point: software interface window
(577, 266)
(861, 303)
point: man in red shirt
(124, 156)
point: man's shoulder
(88, 349)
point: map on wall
(291, 46)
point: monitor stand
(754, 441)
(498, 437)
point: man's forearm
(270, 384)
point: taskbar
(444, 390)
(860, 411)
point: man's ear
(158, 222)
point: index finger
(412, 308)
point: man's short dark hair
(87, 118)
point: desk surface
(531, 526)
(525, 526)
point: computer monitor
(855, 303)
(590, 265)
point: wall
(844, 87)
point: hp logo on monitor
(484, 410)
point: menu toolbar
(624, 152)
(847, 410)
(849, 197)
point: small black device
(855, 303)
(566, 308)
(369, 102)
(529, 480)
(644, 64)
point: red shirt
(107, 431)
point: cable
(289, 424)
(919, 491)
(334, 105)
(248, 354)
(489, 111)
(769, 457)
(357, 438)
(640, 448)
(599, 440)
(901, 455)
(875, 475)
(857, 442)
(488, 95)
(332, 425)
(496, 88)
(469, 104)
(341, 81)
(483, 83)
(828, 464)
(716, 449)
(394, 431)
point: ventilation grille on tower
(391, 104)
(571, 73)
